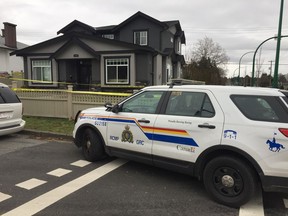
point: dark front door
(83, 72)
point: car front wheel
(92, 147)
(229, 181)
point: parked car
(231, 138)
(11, 111)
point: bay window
(41, 70)
(117, 70)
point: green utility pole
(275, 78)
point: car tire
(92, 146)
(230, 181)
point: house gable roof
(75, 37)
(137, 15)
(77, 26)
(75, 41)
(165, 24)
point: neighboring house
(9, 44)
(139, 51)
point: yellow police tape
(67, 83)
(75, 92)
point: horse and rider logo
(274, 146)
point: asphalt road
(48, 176)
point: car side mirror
(115, 108)
(108, 105)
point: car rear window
(261, 108)
(8, 96)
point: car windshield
(8, 96)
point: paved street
(49, 177)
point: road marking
(254, 207)
(47, 199)
(285, 203)
(4, 197)
(59, 172)
(31, 183)
(81, 163)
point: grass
(53, 125)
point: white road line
(59, 172)
(81, 163)
(31, 183)
(285, 203)
(47, 199)
(4, 197)
(254, 207)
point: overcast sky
(238, 26)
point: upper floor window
(117, 71)
(109, 36)
(42, 70)
(141, 38)
(178, 46)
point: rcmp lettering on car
(115, 138)
(140, 142)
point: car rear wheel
(229, 181)
(92, 146)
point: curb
(47, 134)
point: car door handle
(144, 121)
(206, 126)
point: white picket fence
(63, 103)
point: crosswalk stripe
(31, 183)
(59, 172)
(47, 199)
(81, 163)
(4, 197)
(254, 207)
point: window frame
(140, 37)
(117, 67)
(37, 81)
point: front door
(84, 69)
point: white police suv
(231, 138)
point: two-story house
(139, 51)
(8, 44)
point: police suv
(231, 138)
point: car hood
(95, 110)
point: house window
(109, 36)
(41, 70)
(140, 38)
(179, 46)
(117, 71)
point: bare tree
(208, 49)
(208, 62)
